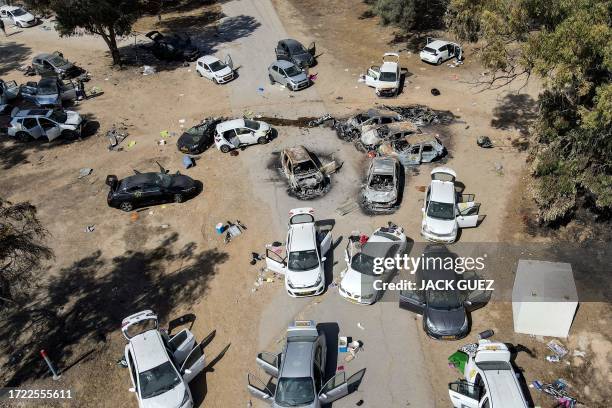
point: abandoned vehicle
(414, 149)
(306, 176)
(373, 135)
(382, 190)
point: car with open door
(49, 92)
(54, 64)
(211, 67)
(414, 149)
(161, 366)
(295, 52)
(299, 372)
(144, 189)
(17, 16)
(381, 191)
(237, 133)
(199, 137)
(445, 210)
(33, 124)
(9, 90)
(437, 51)
(302, 261)
(307, 176)
(288, 74)
(173, 47)
(443, 296)
(385, 78)
(361, 281)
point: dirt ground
(169, 258)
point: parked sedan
(439, 298)
(17, 16)
(49, 91)
(288, 74)
(293, 51)
(173, 47)
(198, 138)
(236, 133)
(210, 67)
(144, 189)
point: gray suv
(300, 371)
(288, 74)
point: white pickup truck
(490, 380)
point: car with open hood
(211, 67)
(293, 51)
(302, 261)
(445, 210)
(385, 78)
(288, 74)
(199, 137)
(144, 189)
(32, 124)
(381, 192)
(361, 280)
(161, 366)
(49, 91)
(54, 64)
(172, 47)
(437, 51)
(307, 176)
(17, 16)
(298, 373)
(238, 133)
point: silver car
(49, 91)
(288, 74)
(381, 192)
(54, 64)
(300, 372)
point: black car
(144, 189)
(294, 51)
(444, 308)
(173, 47)
(198, 138)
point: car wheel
(178, 198)
(126, 206)
(70, 135)
(24, 137)
(262, 140)
(439, 61)
(224, 148)
(271, 80)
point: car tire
(439, 61)
(24, 137)
(262, 140)
(178, 198)
(70, 135)
(272, 81)
(126, 206)
(224, 148)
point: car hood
(26, 17)
(386, 84)
(440, 227)
(357, 283)
(263, 128)
(172, 398)
(298, 78)
(379, 196)
(304, 278)
(223, 72)
(446, 321)
(302, 59)
(186, 139)
(182, 182)
(73, 118)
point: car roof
(290, 42)
(45, 80)
(503, 388)
(230, 124)
(443, 191)
(283, 64)
(148, 350)
(297, 154)
(9, 8)
(208, 59)
(388, 66)
(43, 55)
(302, 237)
(137, 179)
(32, 112)
(298, 359)
(435, 44)
(372, 113)
(383, 164)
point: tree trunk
(111, 42)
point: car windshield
(494, 366)
(429, 50)
(57, 61)
(303, 260)
(292, 392)
(292, 71)
(18, 12)
(59, 116)
(163, 180)
(158, 380)
(363, 263)
(443, 299)
(382, 182)
(441, 211)
(47, 88)
(388, 76)
(217, 66)
(252, 124)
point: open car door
(412, 155)
(181, 345)
(281, 53)
(371, 77)
(325, 241)
(67, 91)
(275, 261)
(229, 62)
(467, 214)
(337, 387)
(462, 395)
(269, 362)
(10, 90)
(257, 388)
(312, 49)
(412, 300)
(194, 364)
(330, 168)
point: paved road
(396, 374)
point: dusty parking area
(169, 258)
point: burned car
(9, 90)
(198, 138)
(374, 117)
(55, 64)
(374, 135)
(414, 149)
(381, 193)
(49, 91)
(173, 47)
(306, 176)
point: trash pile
(557, 390)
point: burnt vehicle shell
(54, 64)
(198, 138)
(374, 135)
(414, 149)
(306, 176)
(144, 189)
(173, 47)
(381, 193)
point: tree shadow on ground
(516, 111)
(190, 21)
(13, 56)
(88, 299)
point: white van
(490, 380)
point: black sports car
(173, 47)
(294, 51)
(144, 189)
(198, 138)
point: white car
(210, 67)
(236, 133)
(158, 378)
(30, 124)
(445, 211)
(306, 247)
(357, 284)
(17, 16)
(386, 77)
(438, 51)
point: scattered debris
(84, 172)
(484, 142)
(348, 207)
(360, 326)
(233, 230)
(499, 168)
(557, 348)
(148, 70)
(557, 390)
(90, 228)
(188, 162)
(307, 176)
(435, 92)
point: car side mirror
(132, 389)
(187, 371)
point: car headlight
(186, 397)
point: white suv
(303, 265)
(33, 124)
(160, 379)
(386, 77)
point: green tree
(568, 45)
(410, 14)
